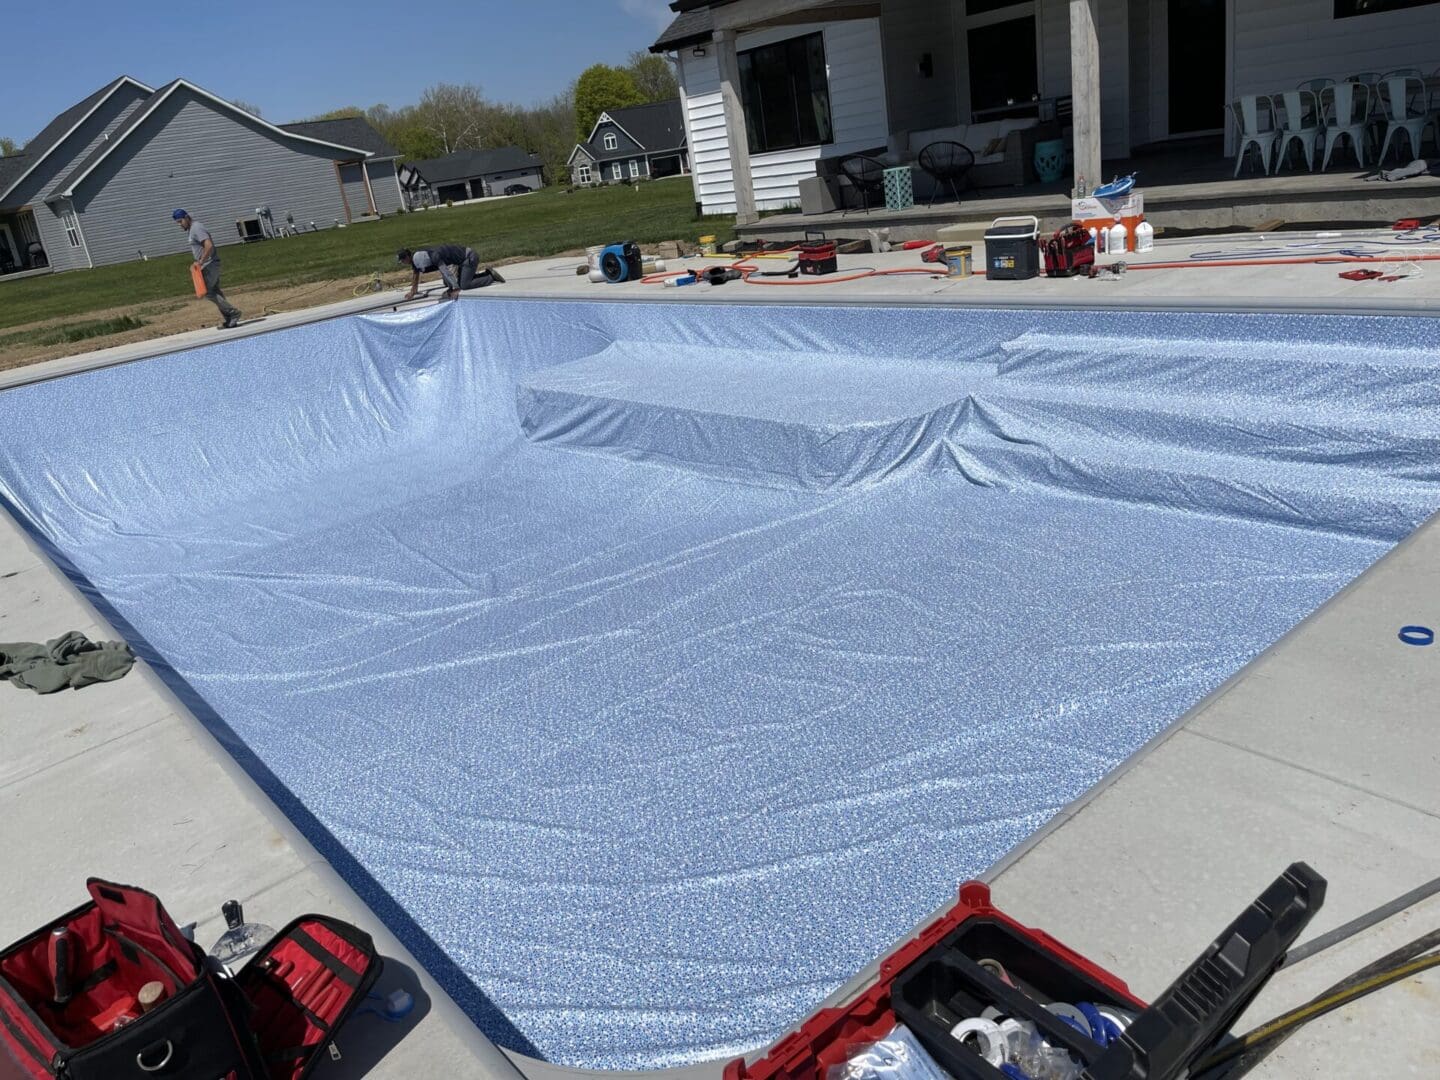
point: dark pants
(470, 275)
(211, 273)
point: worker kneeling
(459, 268)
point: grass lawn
(537, 225)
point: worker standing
(459, 268)
(202, 247)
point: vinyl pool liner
(651, 668)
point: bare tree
(253, 110)
(454, 115)
(653, 75)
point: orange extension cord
(749, 270)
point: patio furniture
(1302, 125)
(1401, 73)
(1316, 85)
(1346, 106)
(946, 163)
(1004, 150)
(1255, 117)
(866, 175)
(1404, 102)
(1050, 160)
(1366, 78)
(899, 188)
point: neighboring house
(97, 185)
(823, 78)
(642, 142)
(477, 174)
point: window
(1344, 9)
(786, 91)
(582, 173)
(1003, 67)
(617, 171)
(634, 168)
(72, 225)
(611, 142)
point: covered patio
(21, 252)
(784, 98)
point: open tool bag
(114, 991)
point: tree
(253, 110)
(654, 77)
(599, 88)
(8, 148)
(453, 114)
(345, 112)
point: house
(641, 142)
(475, 174)
(97, 185)
(773, 90)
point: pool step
(1020, 445)
(785, 419)
(1295, 372)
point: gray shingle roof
(11, 167)
(464, 164)
(54, 131)
(656, 127)
(687, 28)
(121, 130)
(353, 131)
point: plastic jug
(1115, 241)
(1144, 237)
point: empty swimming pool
(652, 667)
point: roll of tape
(986, 1036)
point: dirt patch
(19, 345)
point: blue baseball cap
(178, 214)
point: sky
(304, 57)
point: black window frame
(772, 58)
(1351, 9)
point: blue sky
(299, 58)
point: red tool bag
(1069, 251)
(113, 991)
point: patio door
(1002, 46)
(1196, 48)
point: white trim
(579, 149)
(369, 191)
(617, 171)
(588, 173)
(69, 205)
(635, 168)
(404, 205)
(611, 141)
(121, 81)
(604, 117)
(156, 101)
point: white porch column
(736, 133)
(1085, 91)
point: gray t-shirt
(198, 235)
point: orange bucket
(198, 277)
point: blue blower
(622, 262)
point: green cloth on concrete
(73, 660)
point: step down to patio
(777, 418)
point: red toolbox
(976, 957)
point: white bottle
(1115, 243)
(1144, 236)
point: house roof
(353, 131)
(687, 28)
(12, 168)
(464, 164)
(67, 186)
(54, 133)
(657, 126)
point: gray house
(641, 142)
(97, 185)
(473, 174)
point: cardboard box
(1091, 208)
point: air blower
(621, 262)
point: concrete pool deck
(1323, 749)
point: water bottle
(242, 940)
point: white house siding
(382, 183)
(1280, 43)
(908, 30)
(190, 153)
(857, 107)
